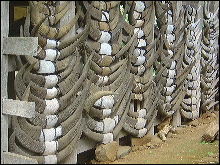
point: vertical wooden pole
(72, 158)
(4, 76)
(151, 130)
(176, 118)
(176, 121)
(138, 105)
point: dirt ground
(183, 147)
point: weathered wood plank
(20, 45)
(18, 108)
(12, 158)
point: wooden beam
(12, 158)
(19, 3)
(18, 108)
(20, 45)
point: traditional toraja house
(89, 73)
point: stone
(123, 150)
(211, 132)
(106, 152)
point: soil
(184, 146)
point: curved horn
(54, 33)
(90, 101)
(72, 136)
(121, 123)
(26, 93)
(31, 130)
(91, 134)
(183, 74)
(35, 15)
(61, 7)
(116, 84)
(96, 68)
(33, 60)
(66, 116)
(71, 48)
(26, 76)
(37, 26)
(69, 41)
(13, 147)
(18, 83)
(65, 29)
(63, 64)
(59, 15)
(27, 24)
(69, 69)
(26, 141)
(64, 100)
(95, 13)
(133, 131)
(41, 119)
(126, 47)
(99, 113)
(121, 100)
(116, 74)
(190, 115)
(66, 84)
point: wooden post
(176, 121)
(4, 76)
(72, 158)
(151, 130)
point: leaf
(210, 153)
(126, 19)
